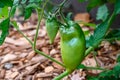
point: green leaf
(4, 27)
(113, 35)
(12, 11)
(35, 1)
(16, 2)
(95, 3)
(117, 7)
(81, 66)
(86, 33)
(91, 78)
(82, 0)
(69, 15)
(112, 1)
(1, 5)
(102, 13)
(98, 34)
(6, 3)
(32, 5)
(28, 12)
(113, 74)
(28, 9)
(4, 12)
(24, 1)
(118, 58)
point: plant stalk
(60, 10)
(61, 75)
(88, 51)
(25, 36)
(40, 16)
(52, 59)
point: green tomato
(52, 28)
(73, 45)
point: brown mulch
(19, 62)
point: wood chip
(45, 50)
(18, 42)
(9, 57)
(30, 68)
(57, 65)
(14, 74)
(53, 51)
(42, 33)
(29, 77)
(40, 79)
(42, 75)
(31, 55)
(89, 62)
(49, 69)
(38, 59)
(23, 55)
(77, 77)
(2, 73)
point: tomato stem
(94, 56)
(61, 75)
(88, 51)
(40, 16)
(35, 39)
(24, 36)
(40, 52)
(59, 10)
(52, 59)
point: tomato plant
(73, 42)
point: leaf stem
(94, 56)
(25, 36)
(52, 59)
(95, 68)
(35, 39)
(61, 75)
(88, 51)
(59, 10)
(40, 16)
(60, 6)
(40, 52)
